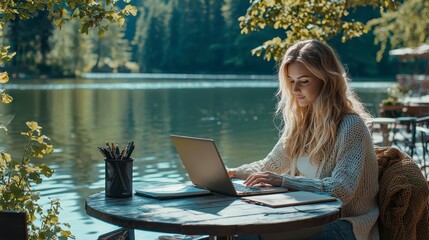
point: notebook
(289, 199)
(168, 191)
(205, 168)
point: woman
(325, 145)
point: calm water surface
(79, 115)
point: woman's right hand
(231, 173)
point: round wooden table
(214, 215)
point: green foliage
(194, 36)
(406, 27)
(5, 98)
(17, 178)
(304, 19)
(111, 51)
(31, 39)
(73, 51)
(91, 13)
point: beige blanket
(403, 196)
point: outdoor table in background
(214, 215)
(385, 125)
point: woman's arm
(354, 154)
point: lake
(81, 114)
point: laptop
(205, 168)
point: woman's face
(305, 86)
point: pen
(102, 152)
(112, 151)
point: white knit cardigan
(350, 174)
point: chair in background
(404, 134)
(424, 137)
(13, 225)
(423, 121)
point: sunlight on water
(147, 85)
(164, 76)
(173, 85)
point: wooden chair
(13, 225)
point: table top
(216, 214)
(382, 120)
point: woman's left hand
(264, 179)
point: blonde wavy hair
(312, 130)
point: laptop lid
(203, 163)
(206, 169)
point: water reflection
(80, 116)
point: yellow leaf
(6, 157)
(15, 178)
(57, 21)
(121, 21)
(270, 3)
(4, 78)
(6, 98)
(101, 32)
(131, 10)
(65, 233)
(277, 40)
(76, 12)
(54, 219)
(49, 149)
(34, 126)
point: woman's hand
(231, 173)
(264, 179)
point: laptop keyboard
(243, 188)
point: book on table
(171, 191)
(289, 199)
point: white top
(306, 168)
(350, 174)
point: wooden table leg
(385, 134)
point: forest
(169, 36)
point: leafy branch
(17, 179)
(305, 19)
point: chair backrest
(13, 225)
(424, 138)
(423, 121)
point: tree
(111, 50)
(72, 53)
(18, 176)
(305, 19)
(406, 27)
(237, 46)
(90, 12)
(30, 38)
(150, 36)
